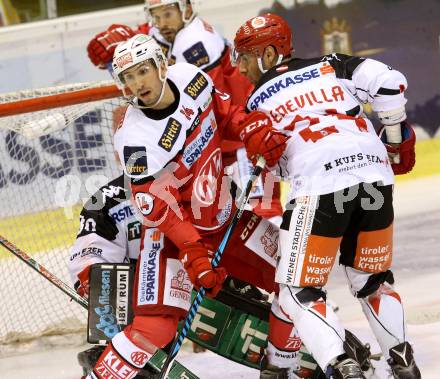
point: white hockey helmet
(182, 4)
(137, 49)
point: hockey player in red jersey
(169, 145)
(341, 182)
(185, 37)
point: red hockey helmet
(262, 31)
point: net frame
(69, 128)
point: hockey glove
(261, 138)
(405, 150)
(82, 285)
(101, 48)
(194, 257)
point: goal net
(55, 152)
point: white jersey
(185, 139)
(197, 43)
(109, 230)
(318, 102)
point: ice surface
(416, 265)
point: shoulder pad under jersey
(140, 143)
(193, 82)
(200, 44)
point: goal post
(56, 150)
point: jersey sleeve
(227, 77)
(371, 81)
(159, 201)
(99, 240)
(228, 115)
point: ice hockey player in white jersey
(109, 232)
(169, 145)
(341, 181)
(185, 37)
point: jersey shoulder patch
(197, 54)
(145, 146)
(196, 86)
(135, 160)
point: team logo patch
(170, 134)
(135, 158)
(205, 184)
(197, 55)
(258, 22)
(139, 358)
(196, 86)
(145, 203)
(187, 112)
(124, 60)
(134, 230)
(326, 69)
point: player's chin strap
(260, 63)
(132, 99)
(186, 21)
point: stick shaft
(178, 341)
(69, 291)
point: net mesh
(44, 181)
(36, 124)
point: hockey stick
(178, 341)
(180, 371)
(44, 272)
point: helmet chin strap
(162, 92)
(190, 18)
(186, 21)
(260, 63)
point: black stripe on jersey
(387, 91)
(344, 66)
(354, 111)
(160, 114)
(95, 216)
(364, 90)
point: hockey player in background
(185, 37)
(169, 145)
(341, 182)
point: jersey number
(316, 134)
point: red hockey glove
(260, 138)
(82, 285)
(194, 257)
(406, 150)
(102, 46)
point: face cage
(182, 8)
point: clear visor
(235, 57)
(130, 75)
(149, 8)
